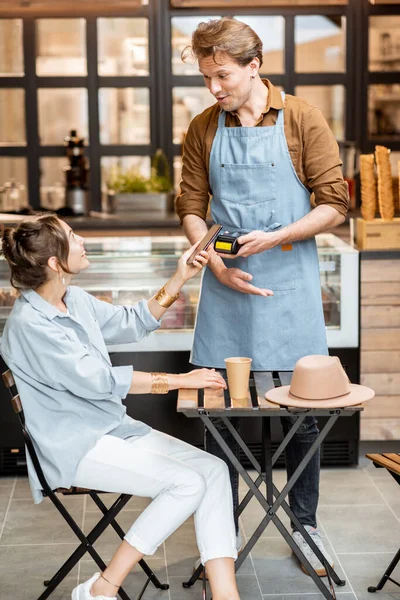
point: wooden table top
(209, 401)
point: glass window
(12, 117)
(123, 46)
(187, 103)
(271, 31)
(60, 110)
(11, 47)
(52, 182)
(384, 111)
(330, 99)
(13, 183)
(109, 164)
(384, 43)
(320, 44)
(182, 29)
(124, 116)
(61, 47)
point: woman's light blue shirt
(70, 392)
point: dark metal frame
(161, 81)
(263, 381)
(289, 79)
(86, 541)
(396, 559)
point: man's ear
(254, 66)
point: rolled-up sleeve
(123, 324)
(53, 358)
(322, 164)
(194, 193)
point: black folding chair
(88, 540)
(391, 462)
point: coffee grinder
(76, 175)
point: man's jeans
(303, 498)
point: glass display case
(124, 270)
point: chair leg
(386, 577)
(85, 546)
(69, 565)
(118, 529)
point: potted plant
(129, 190)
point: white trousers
(180, 479)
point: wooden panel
(62, 7)
(254, 3)
(380, 429)
(384, 2)
(382, 407)
(380, 270)
(8, 379)
(380, 339)
(380, 361)
(384, 384)
(381, 293)
(242, 404)
(264, 383)
(187, 399)
(394, 457)
(380, 316)
(16, 402)
(214, 399)
(385, 460)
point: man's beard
(239, 102)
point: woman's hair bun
(28, 247)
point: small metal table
(207, 403)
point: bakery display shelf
(126, 270)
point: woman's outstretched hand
(202, 378)
(188, 271)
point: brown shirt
(312, 147)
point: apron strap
(280, 119)
(221, 119)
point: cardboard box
(378, 234)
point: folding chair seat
(391, 462)
(86, 541)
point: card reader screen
(223, 245)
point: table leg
(281, 495)
(271, 510)
(267, 456)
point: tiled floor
(359, 516)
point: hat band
(311, 399)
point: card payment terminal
(227, 242)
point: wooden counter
(380, 343)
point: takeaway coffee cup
(238, 372)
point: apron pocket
(275, 269)
(248, 184)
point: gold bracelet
(159, 383)
(164, 299)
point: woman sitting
(54, 342)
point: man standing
(259, 155)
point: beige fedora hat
(320, 382)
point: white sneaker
(239, 546)
(308, 553)
(82, 591)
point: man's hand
(254, 242)
(238, 280)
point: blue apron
(255, 186)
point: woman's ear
(52, 263)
